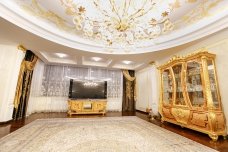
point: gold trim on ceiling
(200, 12)
(35, 9)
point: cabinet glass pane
(194, 84)
(167, 87)
(179, 91)
(211, 72)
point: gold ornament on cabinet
(189, 94)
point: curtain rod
(22, 48)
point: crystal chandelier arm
(129, 4)
(147, 11)
(104, 12)
(133, 16)
(121, 21)
(112, 3)
(125, 7)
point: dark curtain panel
(128, 104)
(23, 85)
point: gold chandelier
(121, 22)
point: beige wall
(10, 60)
(217, 44)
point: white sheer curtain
(56, 79)
(146, 89)
(50, 86)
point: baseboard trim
(142, 111)
(5, 122)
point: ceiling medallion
(121, 23)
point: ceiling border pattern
(201, 29)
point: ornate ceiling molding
(196, 30)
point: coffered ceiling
(45, 27)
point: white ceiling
(193, 20)
(13, 35)
(46, 39)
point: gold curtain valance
(26, 66)
(127, 75)
(30, 65)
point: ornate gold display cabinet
(190, 96)
(89, 106)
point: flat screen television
(78, 90)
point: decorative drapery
(128, 76)
(23, 84)
(129, 92)
(56, 79)
(50, 86)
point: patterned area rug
(107, 134)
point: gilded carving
(37, 10)
(219, 123)
(181, 115)
(71, 9)
(199, 119)
(87, 107)
(167, 113)
(200, 11)
(201, 112)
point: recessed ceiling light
(96, 58)
(127, 62)
(61, 55)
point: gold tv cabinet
(189, 94)
(89, 106)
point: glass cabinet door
(194, 83)
(214, 93)
(167, 81)
(179, 90)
